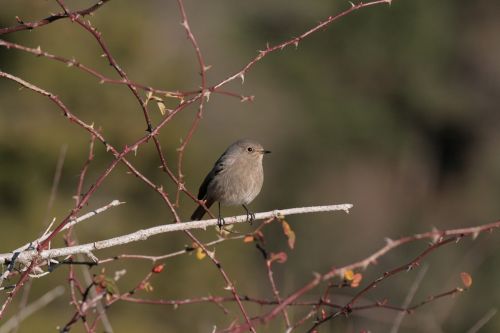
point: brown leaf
(356, 280)
(466, 279)
(280, 257)
(248, 239)
(289, 233)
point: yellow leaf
(349, 275)
(466, 279)
(162, 107)
(200, 254)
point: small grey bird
(235, 179)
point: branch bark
(140, 235)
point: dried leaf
(348, 275)
(289, 233)
(248, 239)
(200, 254)
(280, 257)
(356, 280)
(162, 107)
(158, 268)
(225, 231)
(466, 279)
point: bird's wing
(219, 166)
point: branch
(32, 25)
(295, 41)
(144, 234)
(40, 303)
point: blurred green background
(392, 108)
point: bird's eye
(250, 149)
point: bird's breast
(238, 185)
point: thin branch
(483, 321)
(295, 41)
(72, 223)
(348, 308)
(409, 297)
(391, 244)
(31, 308)
(205, 95)
(54, 17)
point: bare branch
(32, 25)
(37, 305)
(26, 256)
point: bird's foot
(220, 222)
(250, 217)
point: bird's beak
(266, 152)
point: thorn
(247, 98)
(206, 94)
(353, 5)
(242, 77)
(436, 236)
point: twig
(32, 25)
(405, 267)
(483, 321)
(408, 299)
(295, 41)
(31, 308)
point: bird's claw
(220, 222)
(250, 217)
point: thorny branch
(33, 256)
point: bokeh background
(394, 109)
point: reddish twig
(205, 95)
(348, 308)
(54, 17)
(73, 63)
(295, 41)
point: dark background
(392, 108)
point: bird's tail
(200, 211)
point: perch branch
(144, 234)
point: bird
(235, 179)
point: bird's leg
(220, 220)
(250, 215)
